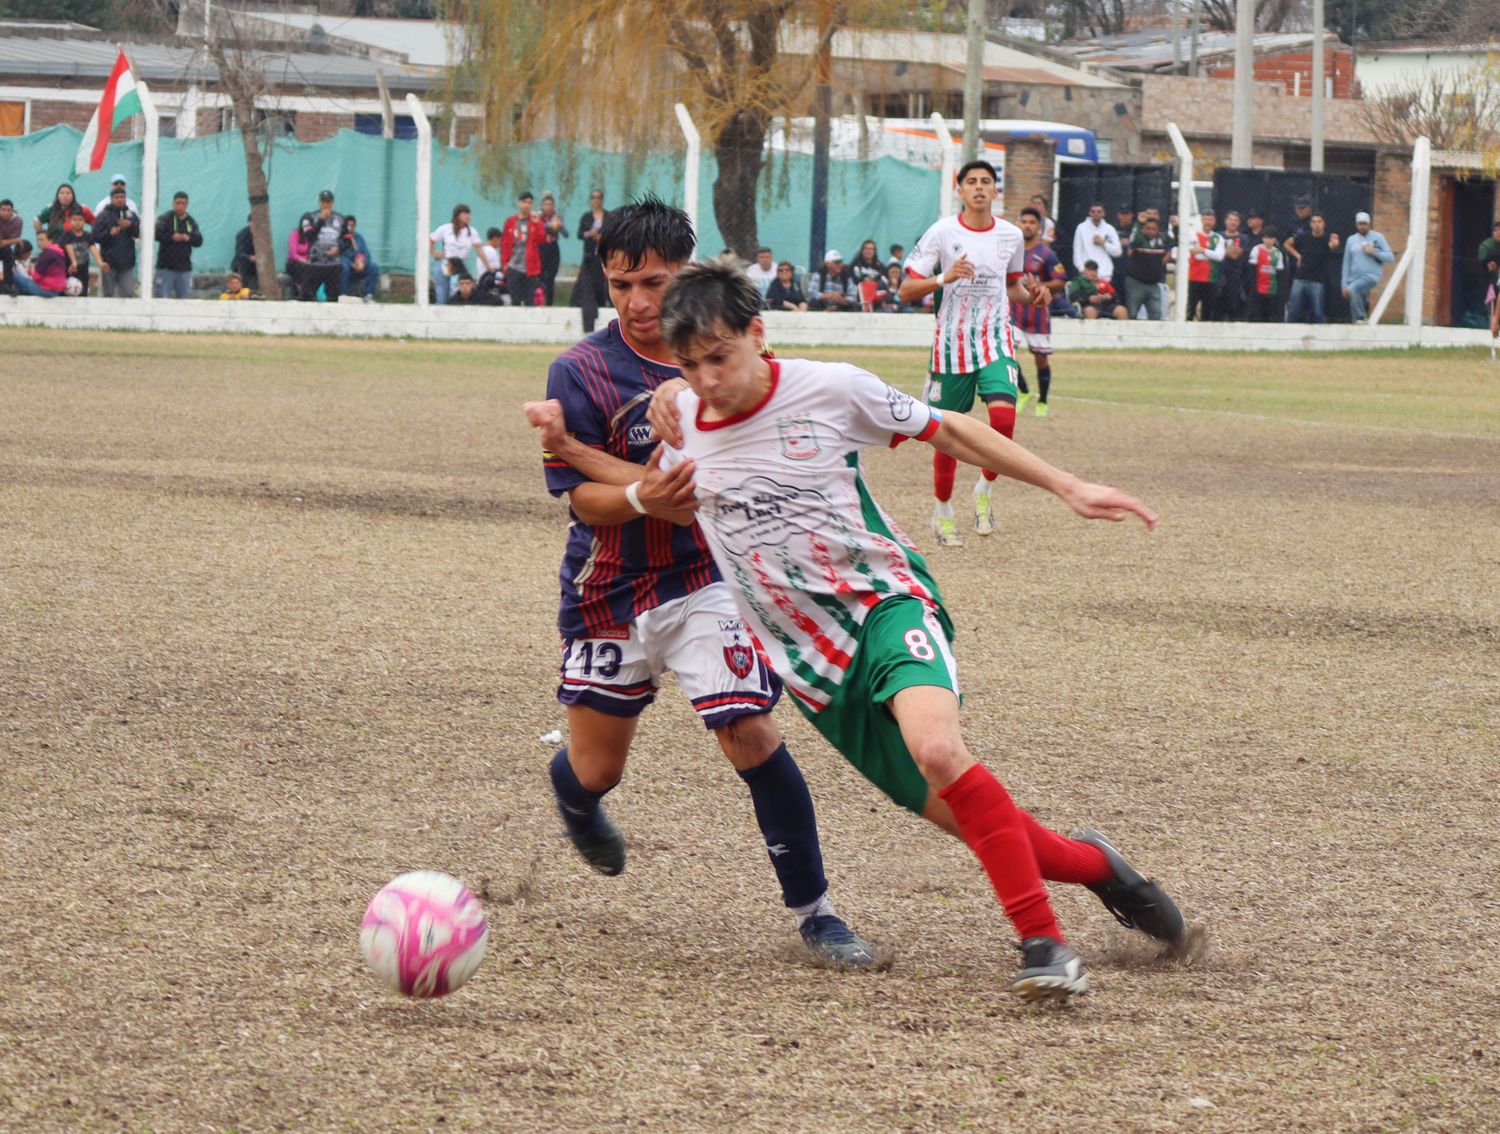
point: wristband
(632, 494)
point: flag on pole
(120, 101)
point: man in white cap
(1366, 254)
(833, 288)
(117, 179)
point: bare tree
(1454, 110)
(609, 71)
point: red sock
(991, 824)
(1002, 421)
(944, 468)
(1065, 860)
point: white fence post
(422, 265)
(945, 190)
(1187, 220)
(1416, 234)
(146, 265)
(690, 164)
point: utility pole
(1176, 17)
(1193, 48)
(973, 78)
(1318, 83)
(1240, 150)
(822, 107)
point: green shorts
(995, 382)
(902, 643)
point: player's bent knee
(748, 741)
(941, 759)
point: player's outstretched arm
(595, 464)
(961, 437)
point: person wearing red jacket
(49, 273)
(520, 251)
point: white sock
(944, 510)
(821, 908)
(982, 487)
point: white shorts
(1035, 343)
(700, 638)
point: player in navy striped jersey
(1033, 321)
(641, 594)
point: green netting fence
(884, 200)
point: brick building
(51, 76)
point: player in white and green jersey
(977, 260)
(844, 608)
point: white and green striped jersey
(795, 532)
(973, 319)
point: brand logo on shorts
(740, 659)
(798, 439)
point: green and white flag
(120, 101)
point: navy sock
(784, 809)
(1044, 380)
(1021, 381)
(579, 806)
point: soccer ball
(74, 286)
(423, 934)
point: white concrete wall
(562, 325)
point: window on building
(12, 119)
(406, 126)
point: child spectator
(234, 287)
(1266, 263)
(890, 293)
(77, 243)
(359, 267)
(49, 275)
(1095, 297)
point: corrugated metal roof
(156, 63)
(1151, 48)
(430, 43)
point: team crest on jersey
(740, 658)
(640, 434)
(799, 440)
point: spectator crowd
(1239, 270)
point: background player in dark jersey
(1034, 321)
(641, 594)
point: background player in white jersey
(845, 608)
(641, 596)
(976, 259)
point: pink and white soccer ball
(424, 934)
(74, 286)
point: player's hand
(961, 270)
(548, 417)
(1036, 290)
(662, 413)
(668, 494)
(1101, 502)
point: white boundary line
(1272, 419)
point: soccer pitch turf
(278, 625)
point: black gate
(1275, 192)
(1079, 186)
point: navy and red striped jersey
(613, 573)
(1042, 263)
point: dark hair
(1096, 205)
(593, 191)
(1269, 230)
(1032, 211)
(12, 204)
(1087, 264)
(493, 232)
(59, 212)
(1324, 219)
(789, 266)
(453, 220)
(969, 166)
(897, 247)
(349, 221)
(120, 189)
(761, 249)
(648, 224)
(859, 257)
(179, 196)
(702, 296)
(23, 249)
(525, 195)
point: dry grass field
(276, 624)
